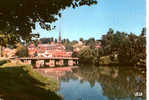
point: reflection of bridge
(57, 72)
(50, 61)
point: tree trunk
(1, 50)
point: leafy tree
(64, 41)
(22, 51)
(143, 32)
(130, 48)
(67, 41)
(55, 40)
(51, 39)
(74, 42)
(87, 56)
(75, 54)
(110, 31)
(69, 47)
(91, 42)
(18, 17)
(45, 40)
(81, 39)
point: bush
(87, 56)
(108, 60)
(22, 51)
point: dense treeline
(127, 49)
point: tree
(55, 40)
(91, 42)
(51, 39)
(18, 17)
(87, 56)
(64, 41)
(67, 41)
(111, 31)
(45, 40)
(69, 47)
(22, 51)
(81, 39)
(74, 42)
(143, 32)
(129, 48)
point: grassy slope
(20, 82)
(105, 60)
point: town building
(49, 50)
(50, 54)
(7, 52)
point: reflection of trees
(116, 82)
(68, 76)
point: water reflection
(103, 83)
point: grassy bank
(20, 82)
(108, 60)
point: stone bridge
(39, 62)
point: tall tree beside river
(18, 17)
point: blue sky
(123, 15)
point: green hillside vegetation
(20, 82)
(116, 48)
(109, 60)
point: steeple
(59, 39)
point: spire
(59, 39)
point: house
(48, 50)
(7, 52)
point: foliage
(126, 49)
(81, 39)
(87, 56)
(22, 51)
(69, 47)
(74, 42)
(130, 48)
(18, 18)
(26, 84)
(55, 40)
(91, 42)
(46, 40)
(108, 60)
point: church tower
(59, 39)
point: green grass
(3, 61)
(106, 60)
(20, 82)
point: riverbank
(113, 61)
(20, 82)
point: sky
(94, 21)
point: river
(103, 83)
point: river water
(103, 83)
